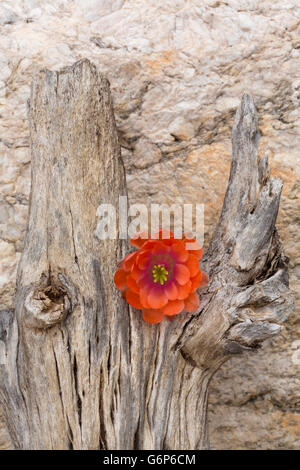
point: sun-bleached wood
(79, 368)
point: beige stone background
(177, 69)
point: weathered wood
(248, 295)
(79, 368)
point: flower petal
(144, 292)
(179, 251)
(184, 291)
(192, 302)
(129, 260)
(162, 234)
(193, 265)
(157, 297)
(193, 247)
(196, 281)
(132, 285)
(173, 307)
(170, 317)
(204, 280)
(133, 299)
(171, 291)
(120, 279)
(143, 259)
(144, 280)
(139, 239)
(135, 281)
(159, 247)
(152, 316)
(136, 273)
(182, 274)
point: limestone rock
(177, 70)
(145, 154)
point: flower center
(160, 274)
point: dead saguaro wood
(79, 368)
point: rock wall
(177, 69)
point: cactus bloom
(161, 278)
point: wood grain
(79, 368)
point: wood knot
(45, 307)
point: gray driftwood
(81, 370)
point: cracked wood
(79, 368)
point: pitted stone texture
(177, 70)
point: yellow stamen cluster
(160, 274)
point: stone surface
(177, 70)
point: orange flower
(162, 276)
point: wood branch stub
(248, 294)
(79, 368)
